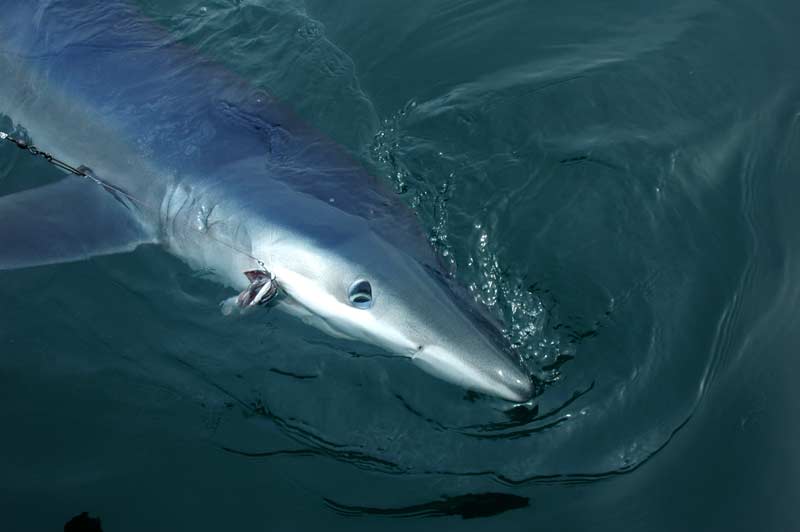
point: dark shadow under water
(469, 506)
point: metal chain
(21, 144)
(82, 171)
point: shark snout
(490, 373)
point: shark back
(101, 77)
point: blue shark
(196, 160)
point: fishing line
(86, 173)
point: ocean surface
(618, 182)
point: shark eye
(360, 294)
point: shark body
(227, 179)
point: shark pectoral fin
(67, 221)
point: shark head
(361, 287)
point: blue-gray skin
(217, 167)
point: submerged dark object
(83, 523)
(468, 506)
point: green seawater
(617, 182)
